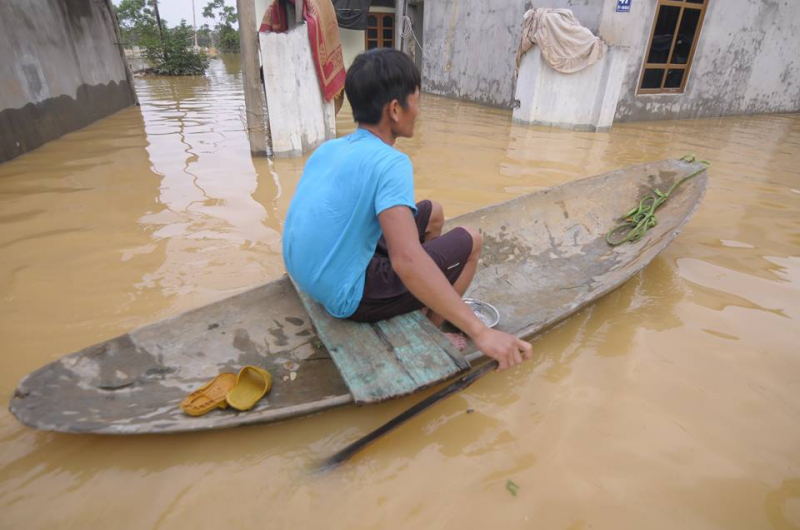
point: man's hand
(507, 349)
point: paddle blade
(460, 384)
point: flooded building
(61, 68)
(663, 59)
(675, 58)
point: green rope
(642, 218)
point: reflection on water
(206, 217)
(672, 402)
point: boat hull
(544, 258)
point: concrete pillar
(584, 100)
(299, 117)
(257, 127)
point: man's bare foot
(457, 339)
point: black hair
(377, 77)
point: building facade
(685, 58)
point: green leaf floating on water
(511, 487)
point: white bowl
(488, 313)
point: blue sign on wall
(623, 6)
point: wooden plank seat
(387, 359)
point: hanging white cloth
(565, 44)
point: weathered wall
(60, 69)
(584, 100)
(747, 60)
(470, 45)
(299, 118)
(352, 44)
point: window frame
(380, 28)
(684, 5)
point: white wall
(352, 44)
(299, 118)
(583, 100)
(470, 45)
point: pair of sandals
(240, 391)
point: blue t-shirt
(332, 227)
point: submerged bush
(176, 56)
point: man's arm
(422, 277)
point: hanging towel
(565, 45)
(323, 34)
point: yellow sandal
(252, 384)
(209, 396)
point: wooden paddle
(460, 384)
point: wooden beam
(254, 101)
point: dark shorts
(385, 295)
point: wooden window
(671, 48)
(380, 31)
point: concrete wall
(747, 60)
(60, 69)
(585, 100)
(470, 45)
(299, 117)
(352, 44)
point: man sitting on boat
(354, 238)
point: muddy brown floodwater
(673, 402)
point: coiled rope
(642, 218)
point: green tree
(168, 50)
(226, 36)
(177, 57)
(137, 22)
(204, 39)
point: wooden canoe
(544, 258)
